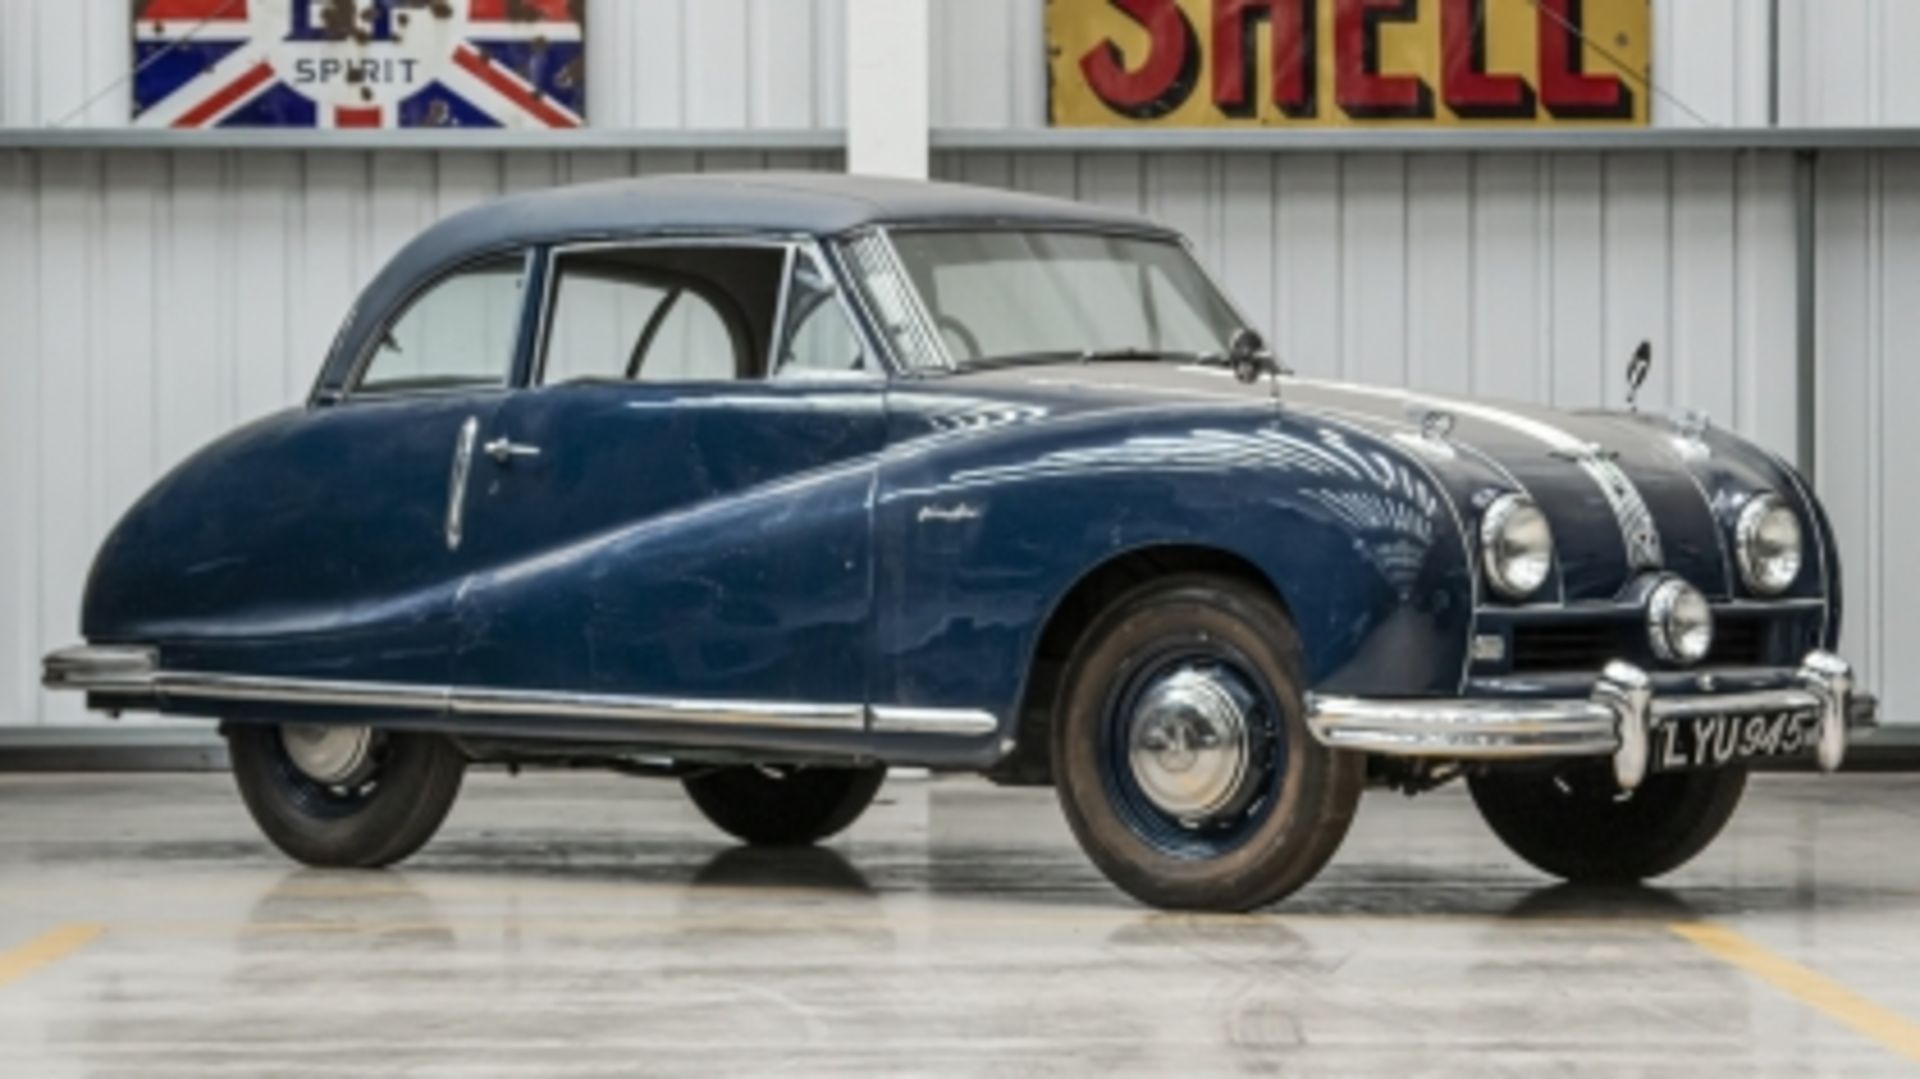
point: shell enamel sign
(1279, 63)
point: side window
(659, 314)
(460, 332)
(818, 338)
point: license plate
(1715, 741)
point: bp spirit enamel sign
(358, 63)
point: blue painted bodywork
(899, 541)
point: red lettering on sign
(1236, 59)
(510, 10)
(1565, 88)
(210, 10)
(1362, 91)
(1469, 89)
(1165, 81)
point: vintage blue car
(770, 482)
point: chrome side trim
(950, 722)
(665, 710)
(133, 672)
(101, 667)
(480, 702)
(1616, 721)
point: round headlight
(1679, 622)
(1767, 540)
(1516, 546)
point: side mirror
(1249, 355)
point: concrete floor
(583, 925)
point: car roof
(814, 203)
(802, 203)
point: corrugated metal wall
(1868, 320)
(153, 299)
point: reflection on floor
(566, 925)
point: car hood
(1625, 493)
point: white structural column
(888, 87)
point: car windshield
(988, 298)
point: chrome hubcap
(328, 754)
(1188, 743)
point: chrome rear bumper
(1617, 719)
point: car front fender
(981, 537)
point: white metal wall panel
(1849, 63)
(1868, 318)
(152, 301)
(650, 63)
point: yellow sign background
(1617, 41)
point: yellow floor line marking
(49, 947)
(1816, 990)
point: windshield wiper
(1096, 355)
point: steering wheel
(950, 325)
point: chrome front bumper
(1617, 719)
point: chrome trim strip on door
(457, 482)
(131, 671)
(955, 722)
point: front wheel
(345, 797)
(1576, 823)
(1181, 753)
(783, 807)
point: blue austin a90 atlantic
(767, 483)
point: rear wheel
(783, 807)
(1181, 754)
(1576, 823)
(345, 797)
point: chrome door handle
(504, 450)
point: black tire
(1302, 797)
(386, 816)
(783, 808)
(1576, 824)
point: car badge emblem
(1437, 424)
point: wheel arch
(1074, 611)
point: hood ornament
(1637, 370)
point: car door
(325, 542)
(660, 515)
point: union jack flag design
(359, 63)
